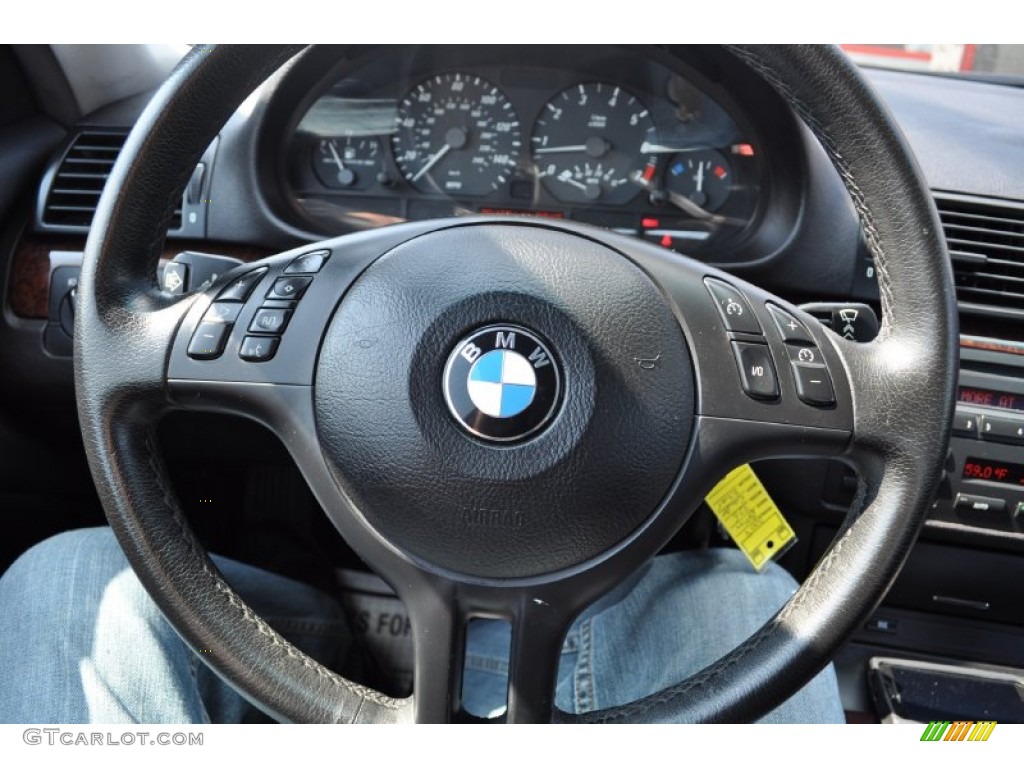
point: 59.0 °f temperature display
(994, 471)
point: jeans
(81, 641)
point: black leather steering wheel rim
(905, 386)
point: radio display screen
(994, 471)
(988, 398)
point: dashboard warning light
(745, 150)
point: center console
(986, 473)
(953, 622)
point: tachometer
(456, 134)
(586, 144)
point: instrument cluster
(596, 134)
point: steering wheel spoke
(537, 637)
(441, 610)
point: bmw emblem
(502, 383)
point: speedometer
(587, 144)
(456, 134)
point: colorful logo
(502, 383)
(958, 730)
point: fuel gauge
(702, 176)
(347, 162)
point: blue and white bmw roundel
(502, 383)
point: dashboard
(630, 139)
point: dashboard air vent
(80, 177)
(986, 243)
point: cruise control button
(757, 371)
(308, 263)
(222, 312)
(733, 307)
(804, 355)
(813, 384)
(208, 341)
(968, 502)
(270, 320)
(1000, 429)
(792, 330)
(239, 289)
(257, 349)
(965, 424)
(289, 287)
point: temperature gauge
(703, 177)
(347, 162)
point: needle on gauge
(345, 175)
(595, 147)
(347, 162)
(697, 184)
(431, 162)
(676, 199)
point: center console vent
(986, 243)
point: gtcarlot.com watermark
(75, 738)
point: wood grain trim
(29, 290)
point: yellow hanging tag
(750, 517)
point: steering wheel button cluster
(257, 349)
(813, 384)
(791, 329)
(733, 307)
(208, 341)
(308, 263)
(239, 289)
(757, 370)
(289, 287)
(270, 320)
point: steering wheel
(507, 417)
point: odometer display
(994, 471)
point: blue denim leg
(81, 641)
(682, 613)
